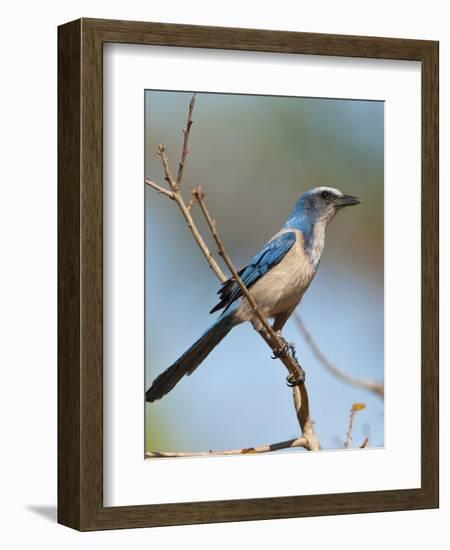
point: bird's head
(318, 206)
(322, 203)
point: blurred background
(254, 156)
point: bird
(277, 278)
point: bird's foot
(283, 350)
(288, 349)
(299, 380)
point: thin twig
(364, 443)
(348, 435)
(165, 162)
(160, 189)
(185, 152)
(370, 385)
(192, 201)
(290, 444)
(355, 408)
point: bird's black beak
(347, 200)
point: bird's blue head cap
(318, 205)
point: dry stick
(355, 408)
(369, 385)
(364, 443)
(301, 404)
(289, 444)
(350, 427)
(186, 133)
(160, 189)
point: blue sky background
(254, 156)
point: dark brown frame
(80, 265)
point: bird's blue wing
(272, 253)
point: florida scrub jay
(277, 277)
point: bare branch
(370, 385)
(289, 444)
(301, 404)
(192, 201)
(364, 443)
(159, 188)
(185, 152)
(199, 239)
(355, 408)
(348, 435)
(165, 162)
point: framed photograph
(248, 274)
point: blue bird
(277, 277)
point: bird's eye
(325, 194)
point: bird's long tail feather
(190, 359)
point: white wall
(28, 269)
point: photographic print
(264, 263)
(233, 274)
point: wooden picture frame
(80, 273)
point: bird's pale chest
(282, 288)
